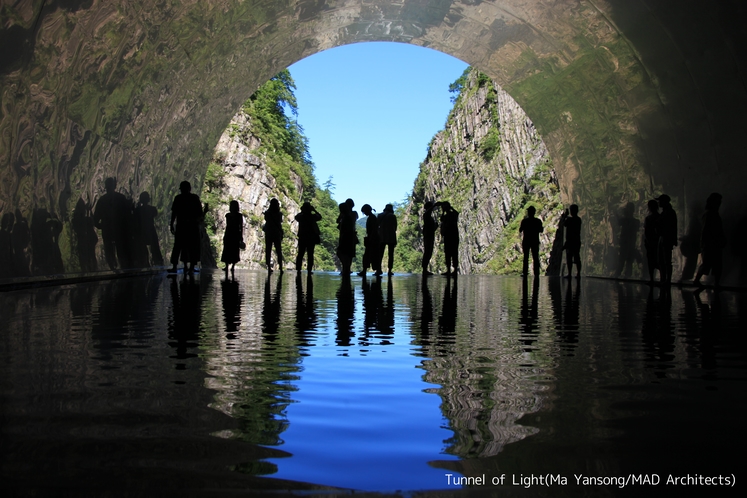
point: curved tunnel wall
(634, 98)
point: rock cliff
(490, 163)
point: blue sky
(369, 111)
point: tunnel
(634, 98)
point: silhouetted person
(572, 225)
(146, 235)
(531, 227)
(273, 234)
(628, 254)
(387, 236)
(233, 237)
(45, 232)
(85, 236)
(667, 237)
(21, 245)
(651, 238)
(112, 216)
(450, 236)
(308, 235)
(186, 212)
(371, 254)
(712, 241)
(348, 237)
(429, 235)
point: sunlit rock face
(632, 98)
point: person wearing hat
(387, 236)
(667, 237)
(371, 254)
(712, 241)
(308, 235)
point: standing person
(531, 227)
(387, 236)
(233, 238)
(450, 236)
(429, 235)
(371, 255)
(111, 215)
(348, 237)
(186, 212)
(273, 234)
(308, 235)
(712, 241)
(629, 227)
(145, 221)
(667, 237)
(572, 226)
(651, 238)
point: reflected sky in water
(372, 385)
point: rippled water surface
(271, 381)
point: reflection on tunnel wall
(633, 98)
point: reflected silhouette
(528, 323)
(345, 313)
(373, 302)
(448, 318)
(306, 317)
(271, 309)
(112, 216)
(628, 251)
(85, 236)
(565, 306)
(184, 320)
(426, 313)
(231, 298)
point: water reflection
(401, 376)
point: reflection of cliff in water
(491, 372)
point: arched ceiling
(633, 97)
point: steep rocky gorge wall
(491, 164)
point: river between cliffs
(475, 384)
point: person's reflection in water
(345, 313)
(271, 308)
(657, 333)
(448, 318)
(184, 320)
(231, 298)
(386, 316)
(306, 318)
(566, 313)
(426, 312)
(372, 303)
(529, 315)
(21, 240)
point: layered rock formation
(242, 174)
(490, 163)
